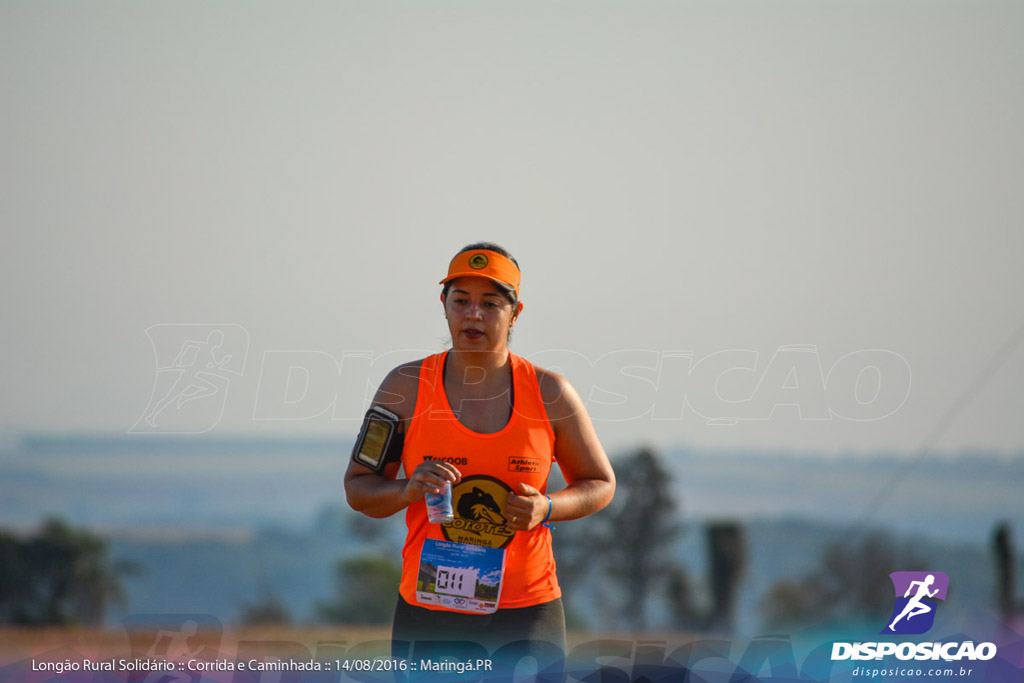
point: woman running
(489, 424)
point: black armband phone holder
(379, 441)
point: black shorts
(537, 631)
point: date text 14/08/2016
(405, 665)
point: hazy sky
(719, 178)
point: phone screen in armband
(378, 439)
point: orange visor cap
(485, 263)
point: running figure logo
(916, 592)
(174, 639)
(194, 365)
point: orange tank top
(492, 466)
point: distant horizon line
(42, 442)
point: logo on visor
(916, 593)
(478, 261)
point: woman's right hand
(430, 477)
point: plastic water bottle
(439, 505)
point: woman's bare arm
(382, 495)
(588, 473)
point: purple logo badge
(916, 593)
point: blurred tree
(14, 581)
(58, 576)
(851, 584)
(268, 610)
(685, 615)
(635, 539)
(727, 560)
(1002, 546)
(365, 591)
(383, 537)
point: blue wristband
(545, 522)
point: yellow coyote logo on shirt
(479, 503)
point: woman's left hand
(527, 509)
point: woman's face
(479, 314)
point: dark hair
(510, 294)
